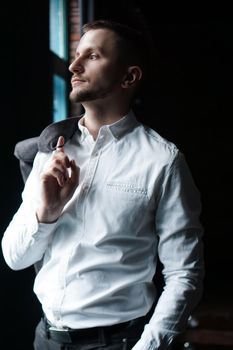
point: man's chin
(80, 98)
(74, 97)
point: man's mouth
(76, 80)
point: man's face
(96, 70)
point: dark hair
(134, 48)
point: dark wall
(25, 84)
(25, 109)
(190, 104)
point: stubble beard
(84, 95)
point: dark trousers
(106, 340)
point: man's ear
(132, 77)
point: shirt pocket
(128, 203)
(126, 191)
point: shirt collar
(83, 129)
(116, 130)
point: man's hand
(58, 183)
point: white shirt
(136, 201)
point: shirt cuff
(146, 342)
(40, 229)
(150, 341)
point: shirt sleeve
(25, 240)
(180, 250)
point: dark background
(190, 103)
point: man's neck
(94, 119)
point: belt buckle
(60, 335)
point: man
(101, 208)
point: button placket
(92, 167)
(90, 172)
(60, 294)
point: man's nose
(76, 66)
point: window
(58, 42)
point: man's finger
(74, 172)
(60, 143)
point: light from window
(59, 96)
(58, 28)
(59, 57)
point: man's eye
(93, 56)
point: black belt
(69, 336)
